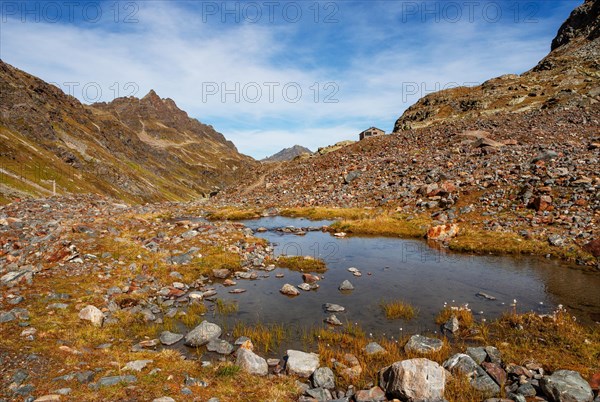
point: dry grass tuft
(301, 264)
(264, 337)
(398, 309)
(226, 307)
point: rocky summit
(289, 154)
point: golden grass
(320, 213)
(264, 337)
(226, 307)
(392, 225)
(398, 309)
(463, 315)
(193, 315)
(302, 264)
(233, 214)
(557, 341)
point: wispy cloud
(374, 61)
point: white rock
(92, 314)
(301, 363)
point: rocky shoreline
(94, 294)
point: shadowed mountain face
(568, 77)
(288, 154)
(135, 149)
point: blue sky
(271, 74)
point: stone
(219, 346)
(422, 344)
(15, 277)
(442, 232)
(526, 390)
(323, 377)
(92, 314)
(48, 398)
(221, 273)
(374, 394)
(373, 348)
(414, 380)
(114, 380)
(463, 364)
(566, 386)
(452, 325)
(309, 278)
(169, 338)
(163, 399)
(289, 290)
(251, 363)
(346, 285)
(137, 365)
(351, 176)
(202, 334)
(333, 320)
(478, 354)
(542, 203)
(333, 308)
(320, 394)
(495, 371)
(593, 248)
(300, 363)
(493, 354)
(556, 240)
(7, 317)
(304, 286)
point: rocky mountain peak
(584, 22)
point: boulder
(442, 232)
(414, 380)
(202, 334)
(92, 314)
(289, 290)
(301, 364)
(566, 386)
(373, 348)
(219, 346)
(221, 273)
(170, 338)
(323, 377)
(464, 365)
(374, 394)
(250, 362)
(346, 285)
(422, 344)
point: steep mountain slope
(568, 76)
(135, 149)
(532, 167)
(288, 154)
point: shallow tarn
(408, 270)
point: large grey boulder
(566, 386)
(250, 362)
(301, 364)
(202, 334)
(422, 344)
(414, 380)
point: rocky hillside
(134, 149)
(288, 154)
(484, 164)
(569, 76)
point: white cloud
(172, 51)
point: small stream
(409, 270)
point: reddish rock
(174, 292)
(370, 395)
(595, 381)
(308, 278)
(593, 248)
(442, 232)
(542, 203)
(496, 372)
(448, 187)
(58, 255)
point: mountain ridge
(135, 149)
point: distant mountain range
(135, 149)
(288, 154)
